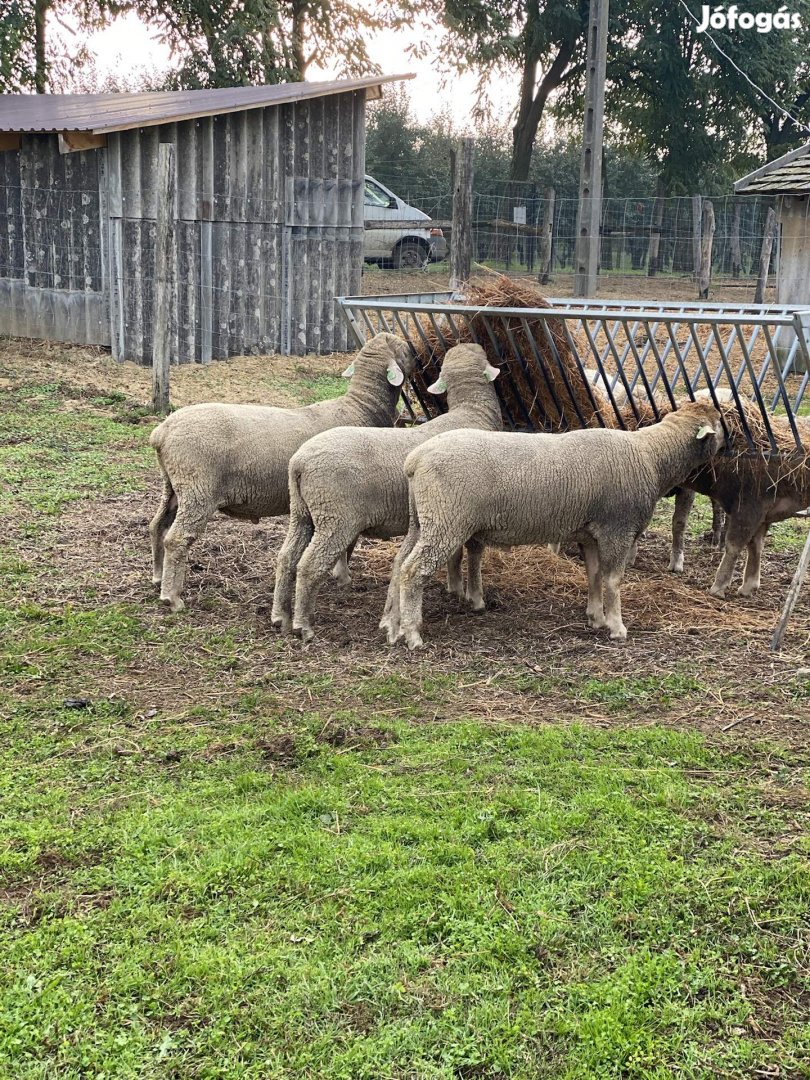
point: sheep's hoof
(747, 590)
(306, 633)
(157, 580)
(413, 639)
(341, 576)
(619, 635)
(476, 606)
(596, 622)
(675, 564)
(175, 603)
(719, 591)
(282, 623)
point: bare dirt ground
(502, 664)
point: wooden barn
(268, 221)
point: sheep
(598, 486)
(349, 481)
(755, 493)
(234, 458)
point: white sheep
(348, 482)
(234, 458)
(598, 486)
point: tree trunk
(40, 60)
(707, 239)
(654, 249)
(765, 256)
(530, 110)
(736, 254)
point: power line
(738, 69)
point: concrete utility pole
(589, 213)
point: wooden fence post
(547, 240)
(736, 252)
(765, 256)
(697, 203)
(706, 242)
(164, 278)
(461, 232)
(654, 248)
(792, 596)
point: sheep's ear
(703, 431)
(347, 374)
(491, 372)
(439, 387)
(395, 374)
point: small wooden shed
(788, 178)
(268, 227)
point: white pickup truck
(407, 243)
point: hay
(541, 381)
(542, 384)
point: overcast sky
(128, 43)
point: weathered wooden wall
(51, 260)
(269, 231)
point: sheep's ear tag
(347, 374)
(703, 431)
(439, 387)
(491, 372)
(395, 374)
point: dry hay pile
(544, 383)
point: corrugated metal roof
(103, 113)
(786, 175)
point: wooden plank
(71, 141)
(706, 242)
(792, 596)
(765, 256)
(164, 277)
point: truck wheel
(411, 255)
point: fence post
(164, 278)
(706, 242)
(654, 249)
(765, 256)
(547, 242)
(736, 253)
(461, 232)
(696, 230)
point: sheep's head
(461, 362)
(384, 352)
(703, 420)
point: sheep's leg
(738, 534)
(555, 547)
(340, 571)
(718, 524)
(614, 550)
(753, 562)
(417, 570)
(594, 612)
(455, 582)
(313, 570)
(390, 617)
(188, 526)
(684, 500)
(475, 586)
(612, 580)
(159, 526)
(299, 534)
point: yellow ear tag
(703, 431)
(395, 374)
(439, 387)
(347, 374)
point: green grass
(317, 877)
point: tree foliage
(244, 42)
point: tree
(244, 42)
(537, 39)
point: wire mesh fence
(638, 235)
